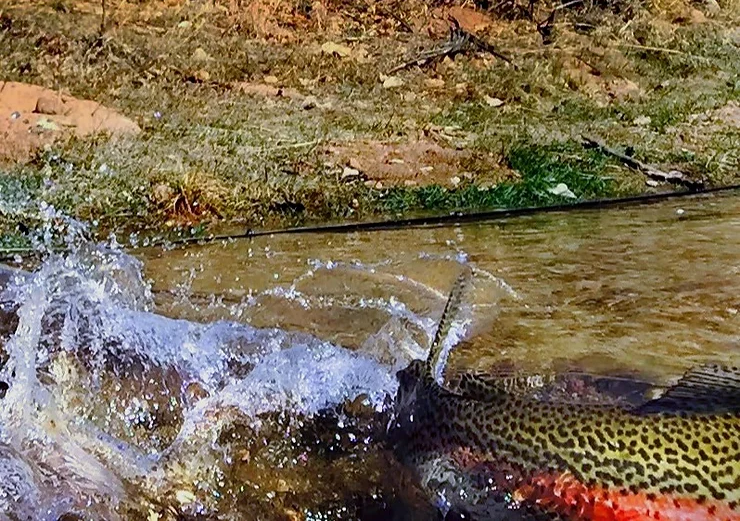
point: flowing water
(252, 379)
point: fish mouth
(410, 380)
(408, 402)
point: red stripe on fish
(565, 495)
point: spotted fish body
(497, 454)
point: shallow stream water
(252, 379)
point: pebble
(493, 102)
(642, 120)
(350, 172)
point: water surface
(653, 288)
(251, 379)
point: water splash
(108, 404)
(41, 450)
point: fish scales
(590, 462)
(676, 458)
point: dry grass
(239, 103)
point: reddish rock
(469, 19)
(32, 117)
(51, 105)
(416, 162)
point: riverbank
(274, 113)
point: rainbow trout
(489, 452)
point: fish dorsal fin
(563, 388)
(488, 386)
(436, 352)
(705, 390)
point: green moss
(541, 168)
(10, 242)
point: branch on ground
(655, 175)
(459, 42)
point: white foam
(93, 304)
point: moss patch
(587, 174)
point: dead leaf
(562, 190)
(360, 55)
(434, 83)
(202, 75)
(493, 102)
(333, 48)
(200, 55)
(470, 19)
(392, 82)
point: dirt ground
(192, 115)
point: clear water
(252, 379)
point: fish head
(411, 381)
(412, 399)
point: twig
(545, 28)
(653, 172)
(102, 19)
(459, 42)
(567, 4)
(286, 146)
